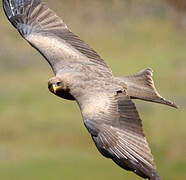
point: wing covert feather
(46, 32)
(116, 129)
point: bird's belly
(65, 95)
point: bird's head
(60, 88)
(56, 85)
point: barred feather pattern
(31, 17)
(116, 129)
(108, 112)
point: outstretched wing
(46, 32)
(116, 129)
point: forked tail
(141, 86)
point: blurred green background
(42, 137)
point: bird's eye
(58, 83)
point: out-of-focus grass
(43, 137)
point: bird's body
(105, 102)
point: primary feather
(46, 32)
(108, 112)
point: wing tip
(18, 12)
(12, 7)
(6, 8)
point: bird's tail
(141, 86)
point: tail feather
(141, 86)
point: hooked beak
(55, 88)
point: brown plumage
(105, 101)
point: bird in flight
(105, 101)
